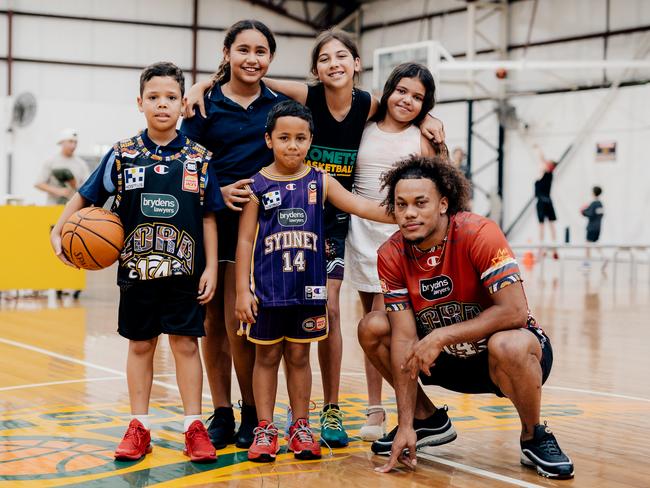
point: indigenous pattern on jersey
(288, 265)
(451, 283)
(159, 200)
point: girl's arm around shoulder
(195, 97)
(354, 204)
(374, 105)
(426, 149)
(245, 305)
(431, 148)
(293, 89)
(208, 281)
(433, 129)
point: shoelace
(303, 432)
(132, 432)
(332, 419)
(197, 432)
(263, 435)
(549, 445)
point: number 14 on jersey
(297, 263)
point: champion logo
(291, 186)
(161, 169)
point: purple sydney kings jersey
(289, 256)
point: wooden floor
(64, 402)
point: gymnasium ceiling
(318, 15)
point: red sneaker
(197, 444)
(265, 443)
(135, 443)
(302, 442)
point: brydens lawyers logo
(436, 288)
(292, 217)
(158, 205)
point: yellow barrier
(27, 258)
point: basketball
(92, 238)
(501, 73)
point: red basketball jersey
(451, 283)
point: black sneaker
(432, 431)
(244, 437)
(221, 427)
(544, 453)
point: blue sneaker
(332, 432)
(543, 453)
(432, 431)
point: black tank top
(159, 200)
(335, 143)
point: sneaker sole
(432, 440)
(334, 444)
(263, 458)
(306, 455)
(126, 457)
(541, 471)
(200, 459)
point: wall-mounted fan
(23, 111)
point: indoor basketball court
(513, 78)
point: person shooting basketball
(456, 316)
(168, 267)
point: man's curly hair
(449, 181)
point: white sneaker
(371, 433)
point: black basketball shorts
(162, 306)
(545, 210)
(593, 235)
(472, 374)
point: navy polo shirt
(102, 183)
(233, 134)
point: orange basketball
(92, 238)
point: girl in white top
(393, 135)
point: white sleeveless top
(378, 152)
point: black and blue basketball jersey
(160, 202)
(288, 264)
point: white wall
(554, 120)
(100, 102)
(625, 182)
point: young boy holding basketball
(283, 302)
(168, 266)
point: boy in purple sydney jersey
(281, 273)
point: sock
(188, 421)
(143, 419)
(329, 406)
